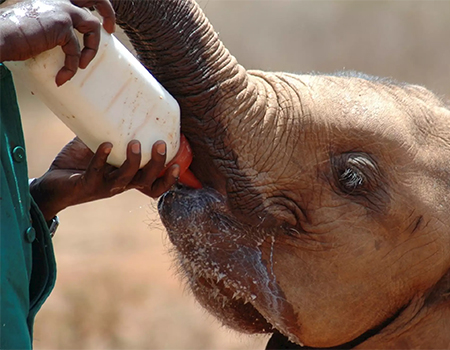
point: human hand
(77, 175)
(33, 26)
(104, 9)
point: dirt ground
(116, 287)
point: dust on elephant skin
(324, 213)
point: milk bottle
(114, 99)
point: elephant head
(324, 213)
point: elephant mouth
(218, 261)
(221, 262)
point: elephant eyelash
(351, 180)
(356, 173)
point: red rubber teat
(184, 159)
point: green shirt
(27, 263)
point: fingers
(151, 171)
(103, 180)
(89, 25)
(96, 168)
(164, 183)
(149, 180)
(104, 8)
(71, 48)
(32, 29)
(125, 174)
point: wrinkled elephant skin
(324, 217)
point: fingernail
(136, 148)
(176, 172)
(108, 149)
(161, 148)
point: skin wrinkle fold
(410, 250)
(416, 224)
(423, 262)
(26, 40)
(278, 138)
(244, 165)
(301, 115)
(270, 117)
(246, 236)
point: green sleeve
(26, 254)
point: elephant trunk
(227, 112)
(177, 44)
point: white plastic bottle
(114, 99)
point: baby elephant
(325, 210)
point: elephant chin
(221, 262)
(224, 303)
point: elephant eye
(351, 179)
(355, 173)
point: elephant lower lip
(279, 341)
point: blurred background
(116, 286)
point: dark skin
(77, 175)
(31, 27)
